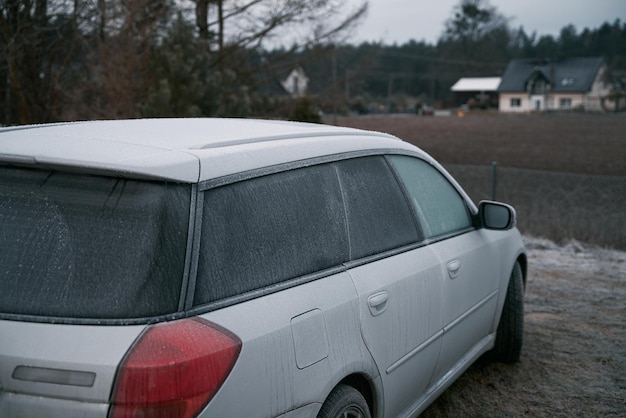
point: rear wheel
(510, 334)
(344, 402)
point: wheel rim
(352, 412)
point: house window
(540, 86)
(516, 102)
(565, 103)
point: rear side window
(440, 208)
(78, 246)
(379, 217)
(265, 230)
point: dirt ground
(568, 142)
(574, 357)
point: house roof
(568, 75)
(476, 84)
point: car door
(469, 264)
(398, 281)
(401, 322)
(471, 296)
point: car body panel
(185, 150)
(18, 405)
(403, 331)
(58, 348)
(471, 293)
(269, 370)
(400, 326)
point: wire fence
(554, 205)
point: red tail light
(173, 370)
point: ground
(574, 357)
(566, 142)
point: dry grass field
(580, 143)
(566, 176)
(564, 173)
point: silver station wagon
(242, 268)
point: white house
(539, 85)
(296, 82)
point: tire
(510, 333)
(344, 402)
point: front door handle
(378, 302)
(454, 268)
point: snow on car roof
(186, 150)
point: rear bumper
(17, 405)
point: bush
(305, 111)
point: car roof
(184, 150)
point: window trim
(295, 281)
(193, 250)
(407, 197)
(263, 291)
(385, 152)
(292, 165)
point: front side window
(440, 208)
(79, 246)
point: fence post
(494, 166)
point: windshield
(81, 246)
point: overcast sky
(398, 21)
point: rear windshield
(79, 246)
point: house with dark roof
(538, 85)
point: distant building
(538, 85)
(482, 91)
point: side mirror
(495, 215)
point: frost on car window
(379, 218)
(439, 206)
(269, 229)
(80, 246)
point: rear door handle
(378, 302)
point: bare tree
(37, 41)
(116, 70)
(22, 25)
(251, 23)
(202, 20)
(246, 25)
(79, 59)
